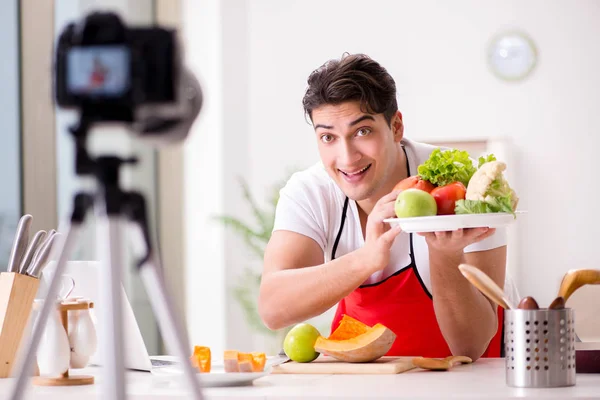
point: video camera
(114, 73)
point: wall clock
(512, 56)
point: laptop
(86, 276)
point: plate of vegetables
(452, 191)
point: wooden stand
(17, 292)
(66, 379)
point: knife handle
(31, 251)
(19, 243)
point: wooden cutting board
(328, 365)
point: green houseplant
(255, 236)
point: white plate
(439, 223)
(217, 377)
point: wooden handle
(485, 284)
(452, 360)
(437, 364)
(576, 278)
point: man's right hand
(294, 266)
(379, 235)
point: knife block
(17, 292)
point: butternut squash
(258, 361)
(348, 328)
(201, 358)
(230, 361)
(354, 341)
(236, 361)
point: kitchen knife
(20, 243)
(280, 358)
(51, 233)
(31, 251)
(35, 269)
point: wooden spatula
(576, 278)
(486, 285)
(440, 364)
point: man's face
(357, 149)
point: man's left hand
(456, 241)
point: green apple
(415, 203)
(299, 343)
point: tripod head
(127, 75)
(104, 168)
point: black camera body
(108, 70)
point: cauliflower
(488, 182)
(488, 191)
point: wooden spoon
(576, 278)
(486, 285)
(557, 304)
(440, 364)
(528, 303)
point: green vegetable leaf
(444, 167)
(490, 205)
(483, 160)
(471, 207)
(501, 204)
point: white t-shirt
(312, 204)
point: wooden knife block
(17, 293)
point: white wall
(436, 52)
(203, 174)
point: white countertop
(484, 379)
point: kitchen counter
(484, 379)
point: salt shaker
(53, 355)
(82, 337)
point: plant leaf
(259, 214)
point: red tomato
(447, 195)
(414, 182)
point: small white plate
(440, 223)
(217, 377)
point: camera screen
(98, 71)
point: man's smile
(356, 175)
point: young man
(330, 245)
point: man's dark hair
(354, 77)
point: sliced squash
(258, 361)
(201, 358)
(373, 343)
(348, 328)
(245, 362)
(230, 361)
(237, 361)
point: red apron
(402, 303)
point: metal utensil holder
(540, 348)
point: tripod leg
(111, 333)
(170, 326)
(25, 365)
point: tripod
(113, 207)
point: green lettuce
(490, 205)
(445, 167)
(488, 158)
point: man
(330, 245)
